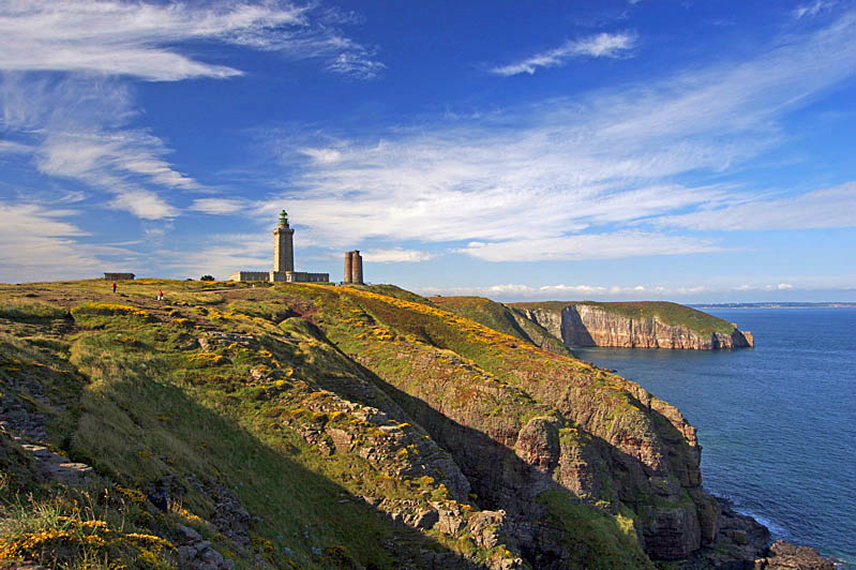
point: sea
(777, 423)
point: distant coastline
(775, 305)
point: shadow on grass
(138, 430)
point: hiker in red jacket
(114, 286)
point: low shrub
(32, 312)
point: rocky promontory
(635, 325)
(315, 426)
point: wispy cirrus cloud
(218, 206)
(599, 45)
(813, 8)
(40, 244)
(140, 39)
(9, 147)
(144, 204)
(617, 245)
(77, 130)
(538, 182)
(828, 208)
(89, 153)
(76, 123)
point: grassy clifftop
(669, 313)
(312, 426)
(502, 318)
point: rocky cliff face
(321, 427)
(530, 432)
(593, 325)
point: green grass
(669, 313)
(485, 311)
(148, 414)
(503, 319)
(602, 541)
(546, 305)
(396, 292)
(154, 405)
(31, 312)
(130, 391)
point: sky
(693, 151)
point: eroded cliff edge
(635, 325)
(336, 425)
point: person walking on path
(114, 286)
(160, 295)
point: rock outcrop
(584, 324)
(320, 426)
(787, 556)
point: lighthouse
(283, 260)
(283, 248)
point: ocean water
(777, 422)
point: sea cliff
(635, 325)
(319, 427)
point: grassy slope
(501, 318)
(476, 377)
(147, 402)
(669, 313)
(148, 409)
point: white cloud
(813, 8)
(396, 255)
(143, 204)
(590, 246)
(600, 45)
(817, 288)
(71, 151)
(221, 255)
(357, 63)
(39, 245)
(218, 206)
(580, 292)
(139, 39)
(767, 287)
(562, 292)
(322, 155)
(536, 180)
(829, 208)
(11, 147)
(78, 129)
(79, 123)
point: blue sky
(613, 149)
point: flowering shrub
(74, 540)
(206, 359)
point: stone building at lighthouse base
(284, 276)
(283, 261)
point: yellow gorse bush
(476, 332)
(207, 358)
(79, 540)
